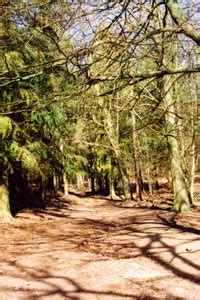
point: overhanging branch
(178, 16)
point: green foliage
(29, 161)
(14, 59)
(15, 151)
(6, 127)
(35, 127)
(29, 54)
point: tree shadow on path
(98, 252)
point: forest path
(88, 248)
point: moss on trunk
(182, 198)
(5, 213)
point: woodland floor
(84, 247)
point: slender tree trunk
(194, 103)
(182, 198)
(65, 185)
(107, 183)
(138, 180)
(195, 92)
(92, 183)
(115, 146)
(113, 138)
(55, 182)
(192, 173)
(100, 184)
(112, 193)
(80, 180)
(149, 181)
(149, 172)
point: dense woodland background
(103, 96)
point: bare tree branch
(181, 20)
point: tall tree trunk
(194, 108)
(5, 213)
(192, 190)
(80, 180)
(112, 193)
(170, 58)
(182, 198)
(138, 179)
(195, 91)
(92, 183)
(65, 185)
(113, 138)
(149, 181)
(64, 176)
(55, 182)
(119, 156)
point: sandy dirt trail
(92, 249)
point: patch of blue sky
(90, 15)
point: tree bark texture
(182, 22)
(182, 198)
(116, 149)
(5, 212)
